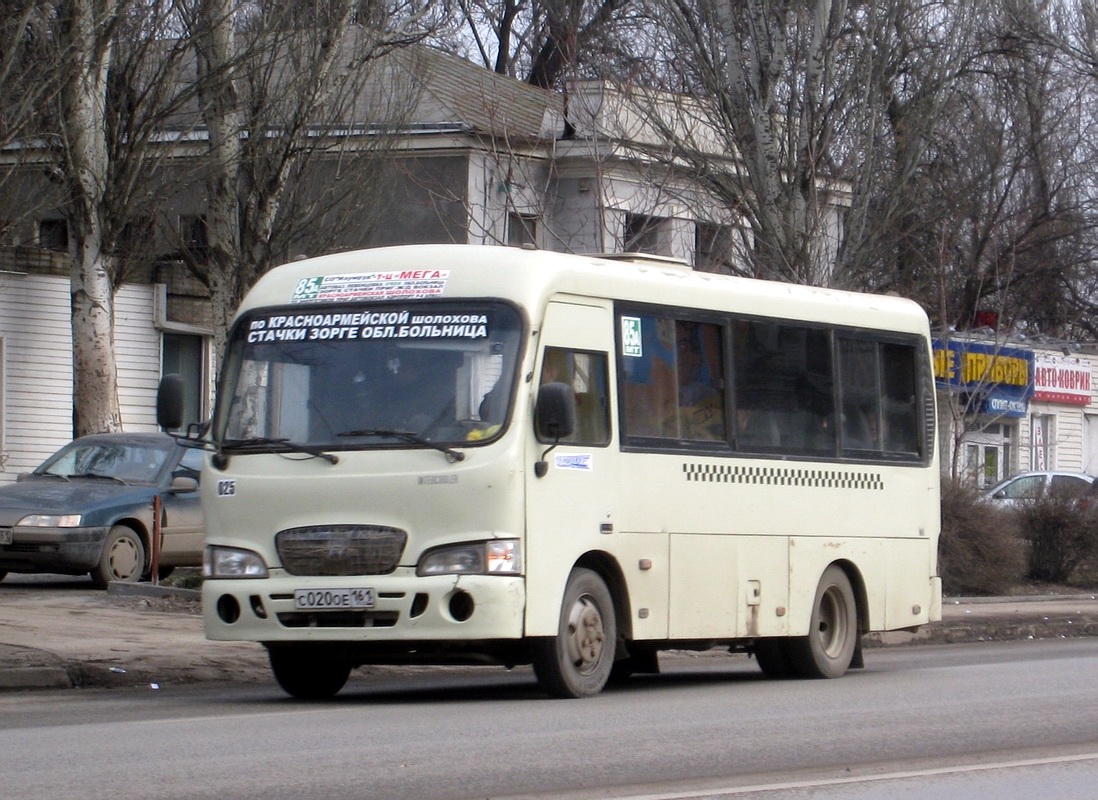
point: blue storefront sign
(999, 379)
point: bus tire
(122, 558)
(833, 632)
(773, 658)
(577, 661)
(640, 661)
(306, 675)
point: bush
(1059, 534)
(980, 551)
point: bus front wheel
(306, 675)
(577, 661)
(833, 633)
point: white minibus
(457, 454)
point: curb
(151, 590)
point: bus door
(575, 507)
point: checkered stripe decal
(784, 476)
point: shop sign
(999, 378)
(1061, 379)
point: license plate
(5, 535)
(333, 598)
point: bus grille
(340, 549)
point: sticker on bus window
(577, 462)
(393, 324)
(631, 337)
(401, 284)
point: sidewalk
(150, 636)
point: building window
(53, 234)
(194, 236)
(522, 230)
(136, 237)
(713, 247)
(184, 354)
(645, 234)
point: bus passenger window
(899, 382)
(783, 388)
(699, 368)
(649, 379)
(673, 381)
(586, 373)
(861, 395)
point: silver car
(1032, 485)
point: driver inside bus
(417, 391)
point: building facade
(1014, 406)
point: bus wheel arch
(835, 627)
(611, 573)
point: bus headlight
(495, 556)
(232, 562)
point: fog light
(461, 606)
(228, 609)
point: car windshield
(343, 377)
(121, 461)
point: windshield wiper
(51, 475)
(408, 436)
(261, 443)
(98, 475)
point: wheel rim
(586, 635)
(833, 629)
(124, 559)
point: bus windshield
(347, 377)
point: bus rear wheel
(773, 659)
(577, 661)
(833, 633)
(307, 675)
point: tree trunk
(86, 44)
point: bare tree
(117, 82)
(28, 83)
(282, 93)
(1002, 216)
(548, 42)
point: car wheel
(122, 559)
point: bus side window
(648, 381)
(899, 382)
(586, 373)
(700, 372)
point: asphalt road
(978, 716)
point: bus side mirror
(555, 413)
(554, 418)
(169, 402)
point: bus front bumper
(445, 608)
